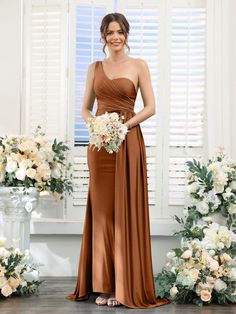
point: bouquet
(107, 131)
(34, 161)
(202, 270)
(18, 273)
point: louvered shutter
(85, 18)
(88, 49)
(45, 67)
(187, 95)
(144, 41)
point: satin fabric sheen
(115, 252)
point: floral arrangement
(18, 273)
(203, 269)
(211, 189)
(106, 131)
(35, 161)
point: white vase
(16, 214)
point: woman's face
(115, 37)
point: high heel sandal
(112, 302)
(102, 299)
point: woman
(115, 257)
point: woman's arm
(89, 95)
(146, 93)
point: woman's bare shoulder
(91, 69)
(92, 66)
(141, 63)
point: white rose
(114, 116)
(232, 185)
(192, 188)
(221, 178)
(227, 194)
(232, 209)
(31, 276)
(232, 273)
(220, 285)
(122, 131)
(202, 208)
(56, 173)
(170, 255)
(11, 166)
(220, 245)
(20, 174)
(4, 252)
(173, 291)
(214, 167)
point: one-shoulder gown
(115, 253)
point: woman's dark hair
(114, 17)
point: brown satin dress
(115, 252)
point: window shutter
(187, 95)
(144, 42)
(85, 19)
(88, 49)
(45, 66)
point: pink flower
(6, 290)
(187, 254)
(214, 265)
(205, 295)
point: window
(63, 39)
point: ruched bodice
(105, 89)
(115, 255)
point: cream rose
(205, 295)
(226, 258)
(6, 290)
(232, 209)
(31, 172)
(14, 282)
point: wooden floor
(52, 299)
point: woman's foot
(102, 299)
(112, 301)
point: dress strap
(96, 67)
